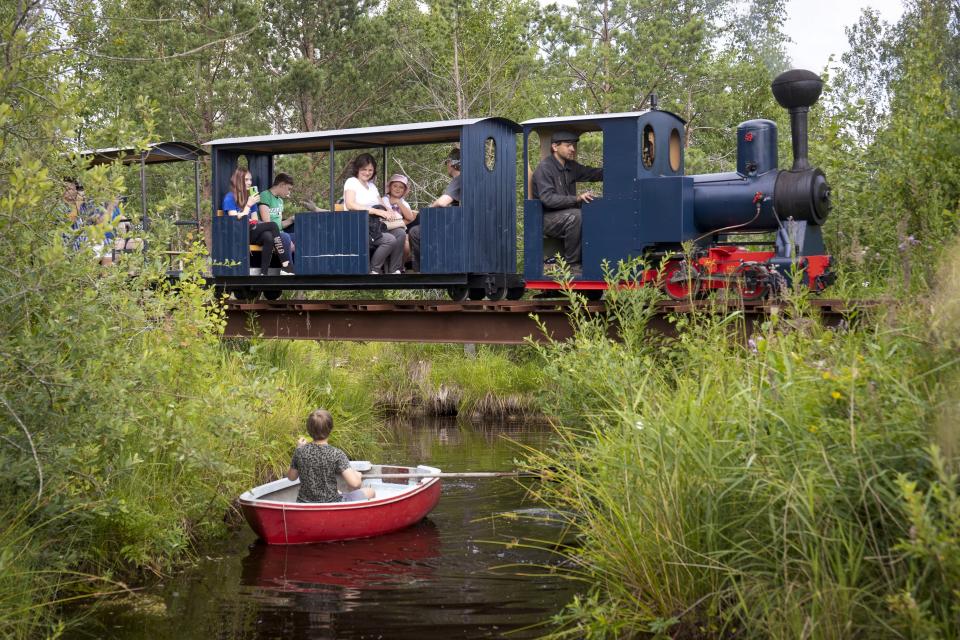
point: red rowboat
(275, 515)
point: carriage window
(490, 154)
(649, 146)
(675, 148)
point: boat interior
(284, 490)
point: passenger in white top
(359, 194)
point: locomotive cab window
(676, 149)
(590, 154)
(648, 146)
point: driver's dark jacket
(555, 184)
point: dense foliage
(889, 140)
(127, 425)
(802, 481)
(789, 485)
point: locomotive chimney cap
(797, 88)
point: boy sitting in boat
(318, 464)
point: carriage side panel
(443, 240)
(333, 243)
(231, 242)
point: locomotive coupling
(801, 192)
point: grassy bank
(412, 379)
(130, 426)
(795, 485)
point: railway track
(479, 322)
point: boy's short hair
(282, 178)
(320, 424)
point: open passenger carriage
(468, 249)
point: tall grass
(432, 379)
(731, 488)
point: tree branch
(172, 56)
(33, 449)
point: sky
(817, 27)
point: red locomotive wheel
(750, 281)
(680, 280)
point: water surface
(458, 574)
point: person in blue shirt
(266, 234)
(74, 210)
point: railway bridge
(477, 322)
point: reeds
(409, 379)
(727, 488)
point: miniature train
(688, 229)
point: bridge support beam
(450, 322)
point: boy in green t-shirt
(271, 208)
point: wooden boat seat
(384, 490)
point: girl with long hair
(266, 234)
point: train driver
(555, 185)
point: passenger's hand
(254, 199)
(586, 196)
(302, 441)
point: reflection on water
(438, 579)
(386, 562)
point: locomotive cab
(646, 200)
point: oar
(465, 474)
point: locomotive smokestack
(797, 90)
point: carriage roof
(441, 131)
(159, 152)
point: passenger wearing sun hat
(555, 185)
(397, 187)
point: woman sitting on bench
(266, 234)
(359, 194)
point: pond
(460, 573)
